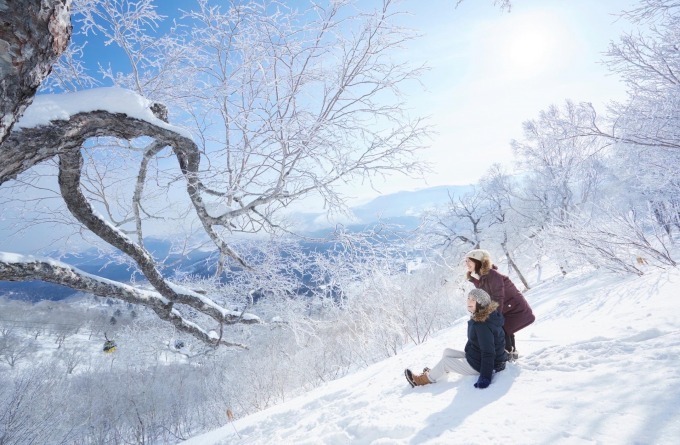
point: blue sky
(489, 71)
(492, 70)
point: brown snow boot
(421, 379)
(417, 379)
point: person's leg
(452, 361)
(510, 347)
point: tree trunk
(512, 264)
(33, 34)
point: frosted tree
(282, 104)
(509, 228)
(461, 224)
(621, 240)
(15, 348)
(488, 217)
(645, 127)
(561, 165)
(27, 404)
(639, 136)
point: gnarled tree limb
(64, 138)
(21, 268)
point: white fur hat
(479, 254)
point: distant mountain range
(401, 208)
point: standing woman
(511, 303)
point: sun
(529, 48)
(527, 52)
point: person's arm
(497, 288)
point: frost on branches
(274, 105)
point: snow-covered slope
(601, 365)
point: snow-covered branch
(15, 267)
(65, 138)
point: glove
(482, 382)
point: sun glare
(530, 47)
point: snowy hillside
(601, 365)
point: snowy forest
(218, 123)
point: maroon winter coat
(511, 302)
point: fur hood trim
(487, 265)
(485, 312)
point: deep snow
(599, 366)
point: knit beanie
(480, 296)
